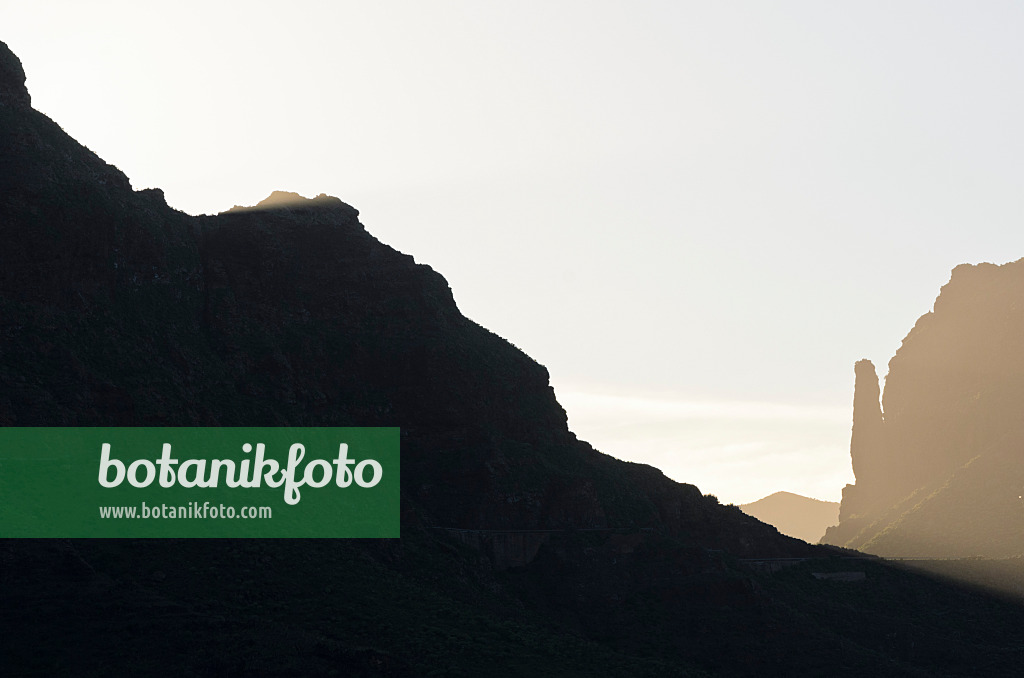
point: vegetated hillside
(940, 465)
(795, 515)
(118, 310)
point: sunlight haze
(697, 215)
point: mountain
(524, 551)
(116, 310)
(939, 463)
(795, 515)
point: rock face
(940, 471)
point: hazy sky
(697, 215)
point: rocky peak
(867, 441)
(867, 414)
(12, 79)
(288, 200)
(868, 453)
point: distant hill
(795, 515)
(939, 462)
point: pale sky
(697, 215)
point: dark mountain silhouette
(794, 514)
(939, 465)
(118, 310)
(524, 551)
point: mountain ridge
(289, 312)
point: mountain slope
(117, 310)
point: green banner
(199, 482)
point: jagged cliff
(940, 468)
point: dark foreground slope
(117, 310)
(940, 465)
